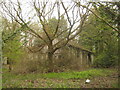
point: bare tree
(74, 14)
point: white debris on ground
(87, 81)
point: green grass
(83, 74)
(50, 79)
(63, 75)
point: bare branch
(58, 7)
(38, 49)
(23, 24)
(63, 41)
(66, 13)
(99, 17)
(42, 22)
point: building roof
(76, 45)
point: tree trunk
(50, 62)
(50, 58)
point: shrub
(105, 60)
(29, 66)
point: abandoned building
(71, 52)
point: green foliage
(101, 39)
(109, 56)
(51, 25)
(109, 11)
(104, 60)
(11, 44)
(12, 51)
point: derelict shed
(84, 55)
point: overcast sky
(28, 8)
(28, 11)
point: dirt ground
(110, 81)
(107, 81)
